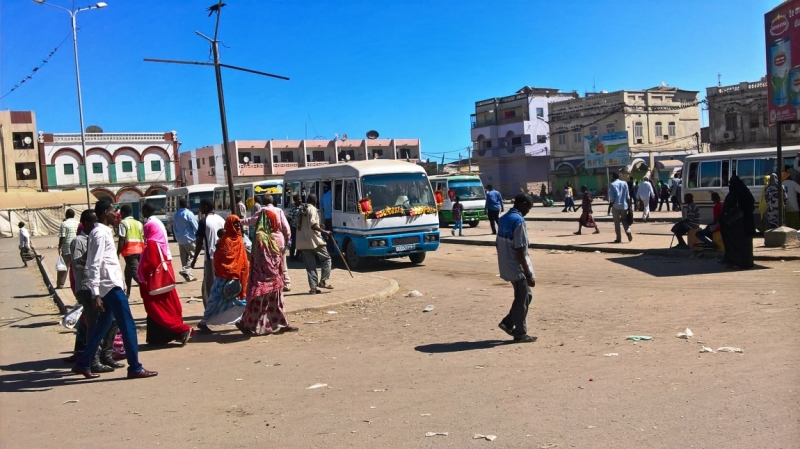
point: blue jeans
(116, 304)
(705, 236)
(459, 225)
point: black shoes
(142, 374)
(99, 368)
(505, 329)
(525, 339)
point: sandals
(325, 285)
(314, 291)
(241, 328)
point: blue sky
(409, 69)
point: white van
(469, 189)
(194, 194)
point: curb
(601, 219)
(393, 288)
(62, 309)
(621, 250)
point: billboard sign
(782, 31)
(606, 150)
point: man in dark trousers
(494, 205)
(515, 267)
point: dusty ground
(394, 373)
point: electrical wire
(36, 69)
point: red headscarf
(230, 257)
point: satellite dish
(344, 137)
(94, 129)
(26, 172)
(246, 159)
(347, 157)
(27, 140)
(372, 134)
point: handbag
(732, 216)
(629, 216)
(161, 280)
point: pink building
(258, 159)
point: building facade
(738, 120)
(253, 160)
(663, 125)
(122, 167)
(510, 138)
(20, 150)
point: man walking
(675, 192)
(515, 267)
(619, 196)
(207, 235)
(645, 194)
(311, 243)
(494, 205)
(103, 361)
(104, 278)
(184, 228)
(131, 244)
(291, 215)
(26, 249)
(66, 234)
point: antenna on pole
(217, 8)
(719, 80)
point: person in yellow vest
(131, 244)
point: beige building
(663, 125)
(737, 118)
(20, 151)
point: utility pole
(217, 8)
(5, 173)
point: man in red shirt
(706, 235)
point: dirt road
(394, 372)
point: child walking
(458, 209)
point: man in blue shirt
(327, 211)
(494, 205)
(184, 228)
(515, 267)
(619, 196)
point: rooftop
(108, 137)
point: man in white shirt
(207, 230)
(104, 279)
(25, 248)
(645, 192)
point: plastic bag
(71, 319)
(248, 244)
(60, 265)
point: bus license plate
(402, 248)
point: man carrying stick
(311, 244)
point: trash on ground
(316, 386)
(479, 367)
(428, 309)
(479, 436)
(706, 349)
(771, 292)
(311, 322)
(638, 337)
(71, 401)
(611, 354)
(580, 387)
(238, 380)
(590, 427)
(191, 300)
(332, 312)
(424, 414)
(729, 349)
(413, 293)
(378, 391)
(558, 251)
(433, 434)
(686, 334)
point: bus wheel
(417, 258)
(353, 259)
(442, 222)
(473, 223)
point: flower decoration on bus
(390, 211)
(439, 195)
(365, 207)
(421, 210)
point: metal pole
(224, 121)
(3, 150)
(780, 172)
(80, 107)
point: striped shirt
(68, 230)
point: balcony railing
(109, 137)
(317, 164)
(482, 123)
(519, 118)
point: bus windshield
(160, 205)
(195, 198)
(468, 190)
(399, 189)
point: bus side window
(692, 180)
(725, 172)
(337, 196)
(763, 168)
(350, 196)
(710, 172)
(744, 169)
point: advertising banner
(606, 150)
(782, 31)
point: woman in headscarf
(231, 270)
(737, 225)
(587, 219)
(264, 313)
(164, 311)
(771, 195)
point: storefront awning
(22, 199)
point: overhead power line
(36, 69)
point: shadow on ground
(673, 266)
(460, 346)
(44, 375)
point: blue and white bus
(380, 208)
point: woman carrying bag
(157, 288)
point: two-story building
(122, 167)
(738, 120)
(510, 139)
(663, 126)
(20, 151)
(253, 160)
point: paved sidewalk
(651, 238)
(362, 287)
(554, 213)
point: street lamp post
(72, 14)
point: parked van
(473, 197)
